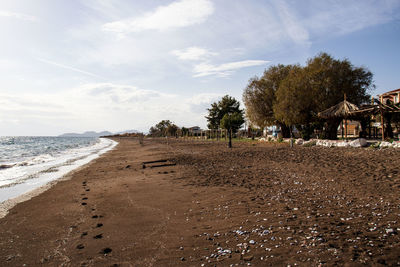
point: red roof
(391, 92)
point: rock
(360, 142)
(385, 144)
(343, 144)
(299, 141)
(248, 258)
(325, 143)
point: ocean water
(27, 163)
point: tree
(164, 128)
(259, 97)
(172, 129)
(227, 105)
(232, 122)
(330, 79)
(295, 103)
(184, 131)
(319, 85)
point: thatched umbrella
(378, 108)
(342, 110)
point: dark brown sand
(263, 205)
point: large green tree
(259, 97)
(293, 95)
(330, 79)
(227, 105)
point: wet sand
(258, 204)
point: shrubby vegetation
(164, 128)
(292, 95)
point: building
(392, 97)
(195, 130)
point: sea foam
(21, 176)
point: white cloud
(118, 94)
(293, 27)
(175, 15)
(4, 13)
(343, 17)
(199, 103)
(103, 106)
(193, 53)
(226, 69)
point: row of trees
(288, 96)
(224, 114)
(292, 95)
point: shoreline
(64, 175)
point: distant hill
(86, 134)
(127, 131)
(96, 134)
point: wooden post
(382, 126)
(345, 129)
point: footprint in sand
(105, 251)
(80, 246)
(87, 190)
(99, 225)
(84, 203)
(84, 198)
(100, 236)
(84, 234)
(95, 216)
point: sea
(27, 163)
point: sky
(94, 65)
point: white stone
(360, 142)
(343, 144)
(385, 144)
(299, 141)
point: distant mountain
(86, 134)
(127, 131)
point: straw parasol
(378, 107)
(342, 110)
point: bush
(310, 144)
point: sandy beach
(207, 205)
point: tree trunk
(285, 130)
(330, 131)
(230, 138)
